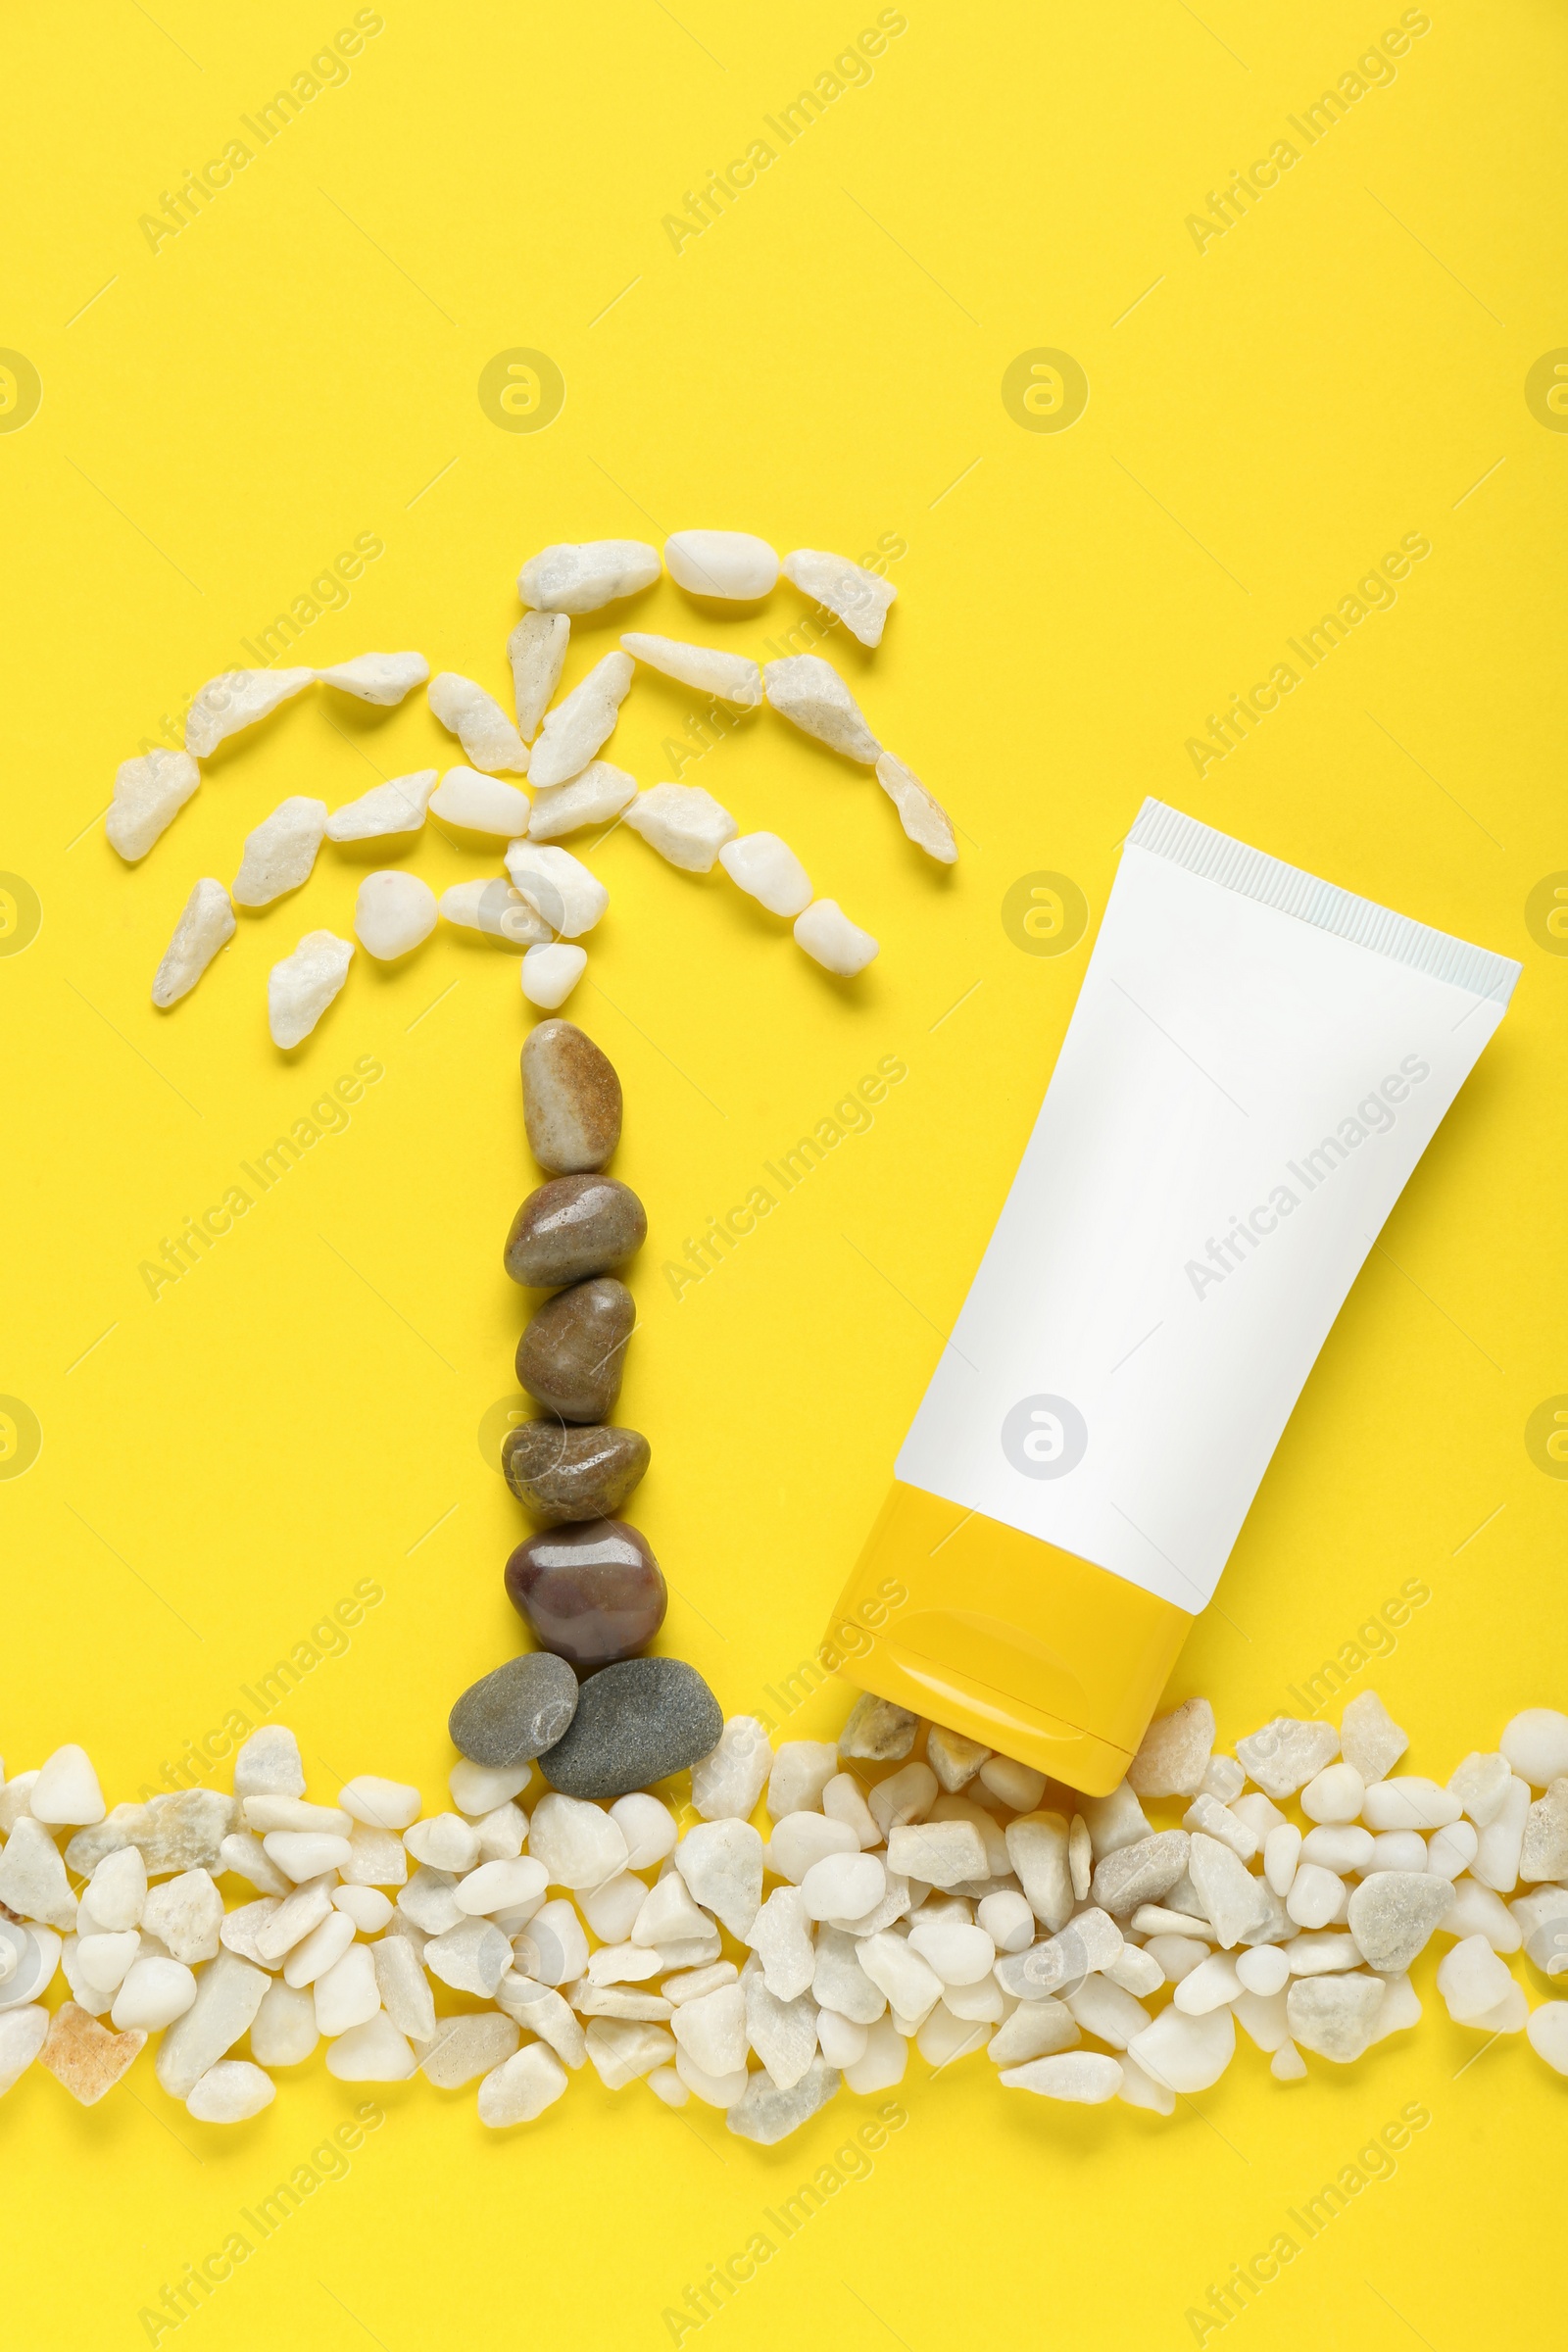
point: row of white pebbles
(549, 898)
(957, 1901)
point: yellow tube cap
(1020, 1646)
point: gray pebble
(509, 1717)
(635, 1723)
(573, 1227)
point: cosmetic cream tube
(1255, 1062)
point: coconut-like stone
(1334, 2015)
(538, 651)
(577, 727)
(1284, 1754)
(237, 699)
(859, 597)
(766, 2114)
(480, 803)
(490, 742)
(280, 851)
(1174, 1755)
(809, 692)
(1369, 1737)
(594, 796)
(149, 794)
(827, 935)
(301, 986)
(393, 914)
(379, 678)
(636, 1721)
(684, 824)
(581, 575)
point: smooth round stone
(510, 1716)
(573, 1227)
(564, 1474)
(591, 1593)
(574, 1351)
(636, 1724)
(570, 1100)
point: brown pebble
(592, 1594)
(573, 1227)
(574, 1351)
(564, 1474)
(570, 1100)
(86, 2056)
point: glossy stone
(573, 1227)
(592, 1592)
(574, 1351)
(636, 1724)
(570, 1100)
(564, 1474)
(510, 1716)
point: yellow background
(823, 365)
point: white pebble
(841, 2041)
(684, 824)
(301, 986)
(1315, 1895)
(282, 851)
(844, 1802)
(881, 2067)
(230, 2092)
(767, 869)
(941, 1853)
(206, 924)
(1481, 1784)
(269, 1763)
(666, 2084)
(155, 1991)
(576, 728)
(1259, 1812)
(731, 676)
(284, 2029)
(1287, 2064)
(844, 1887)
(263, 1813)
(859, 597)
(392, 913)
(802, 1770)
(1320, 1953)
(1215, 1820)
(827, 935)
(374, 2053)
(921, 814)
(538, 651)
(1472, 1980)
(1476, 1910)
(117, 1889)
(809, 692)
(1369, 1737)
(237, 699)
(496, 908)
(489, 739)
(1261, 2015)
(397, 807)
(149, 794)
(1536, 1744)
(911, 1986)
(1264, 1968)
(1334, 1794)
(647, 1827)
(301, 1854)
(727, 1781)
(1501, 1841)
(368, 1907)
(1410, 1802)
(549, 974)
(1223, 1777)
(1088, 2076)
(579, 576)
(65, 1793)
(497, 1885)
(943, 2036)
(578, 1844)
(103, 1959)
(1547, 2031)
(521, 2087)
(733, 565)
(322, 1949)
(712, 2031)
(22, 2032)
(1452, 1849)
(380, 1804)
(480, 1787)
(185, 1914)
(1212, 1984)
(446, 1841)
(1007, 1920)
(1018, 1786)
(715, 2090)
(1340, 1846)
(1178, 1955)
(32, 1876)
(347, 1994)
(956, 1953)
(905, 1795)
(1136, 1971)
(480, 804)
(1398, 1850)
(1185, 2053)
(600, 792)
(1080, 1856)
(667, 1914)
(557, 886)
(379, 678)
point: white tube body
(1255, 1063)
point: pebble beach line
(912, 1888)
